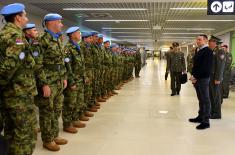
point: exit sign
(220, 7)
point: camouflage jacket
(86, 49)
(74, 63)
(53, 59)
(16, 63)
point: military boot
(89, 114)
(79, 124)
(70, 129)
(60, 141)
(84, 118)
(52, 146)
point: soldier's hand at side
(65, 84)
(46, 91)
(87, 81)
(217, 82)
(73, 87)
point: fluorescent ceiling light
(192, 29)
(133, 36)
(128, 28)
(104, 9)
(115, 20)
(130, 33)
(181, 33)
(200, 20)
(188, 8)
(177, 37)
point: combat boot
(89, 114)
(52, 146)
(60, 141)
(70, 129)
(101, 100)
(84, 118)
(79, 124)
(115, 93)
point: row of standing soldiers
(41, 71)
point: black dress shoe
(173, 94)
(215, 117)
(203, 126)
(195, 120)
(225, 97)
(177, 93)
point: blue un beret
(106, 41)
(29, 26)
(12, 9)
(72, 29)
(114, 46)
(94, 33)
(100, 36)
(52, 17)
(86, 34)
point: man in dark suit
(202, 67)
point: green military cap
(216, 39)
(175, 44)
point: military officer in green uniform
(176, 67)
(216, 77)
(51, 97)
(74, 93)
(18, 85)
(167, 56)
(137, 63)
(227, 71)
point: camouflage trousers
(49, 112)
(73, 106)
(88, 89)
(104, 83)
(20, 128)
(137, 69)
(111, 79)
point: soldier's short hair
(204, 36)
(11, 18)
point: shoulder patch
(22, 55)
(19, 41)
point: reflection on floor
(144, 120)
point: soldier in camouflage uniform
(216, 77)
(227, 71)
(137, 63)
(114, 48)
(176, 67)
(51, 97)
(32, 36)
(89, 73)
(109, 66)
(74, 93)
(98, 70)
(17, 82)
(105, 67)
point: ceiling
(153, 31)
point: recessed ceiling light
(127, 28)
(188, 8)
(114, 20)
(191, 29)
(181, 33)
(200, 20)
(105, 9)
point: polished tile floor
(144, 120)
